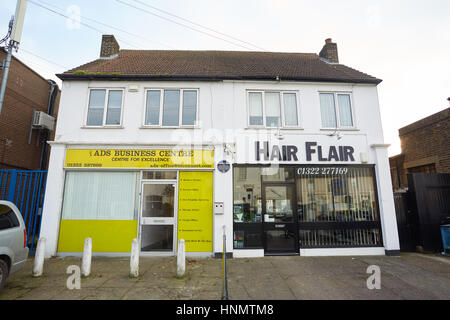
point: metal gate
(405, 222)
(430, 206)
(26, 189)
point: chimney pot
(110, 46)
(330, 51)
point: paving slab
(410, 276)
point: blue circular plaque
(223, 166)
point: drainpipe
(50, 109)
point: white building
(283, 152)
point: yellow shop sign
(139, 158)
(195, 211)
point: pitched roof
(216, 65)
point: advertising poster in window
(195, 211)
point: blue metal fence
(26, 189)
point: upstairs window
(171, 108)
(272, 109)
(105, 107)
(336, 110)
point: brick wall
(428, 140)
(330, 51)
(25, 91)
(398, 172)
(424, 143)
(109, 47)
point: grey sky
(404, 42)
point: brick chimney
(329, 51)
(110, 46)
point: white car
(13, 241)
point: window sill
(101, 127)
(170, 127)
(274, 128)
(339, 129)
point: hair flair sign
(310, 151)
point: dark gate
(430, 207)
(26, 189)
(405, 222)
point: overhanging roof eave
(181, 77)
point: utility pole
(14, 35)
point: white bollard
(181, 259)
(87, 257)
(38, 267)
(134, 260)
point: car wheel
(3, 273)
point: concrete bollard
(134, 260)
(181, 259)
(87, 257)
(38, 266)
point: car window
(8, 218)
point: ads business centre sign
(302, 150)
(139, 158)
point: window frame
(137, 174)
(336, 111)
(105, 108)
(15, 217)
(161, 110)
(282, 111)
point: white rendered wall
(53, 199)
(227, 99)
(386, 200)
(342, 252)
(223, 108)
(223, 192)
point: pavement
(410, 276)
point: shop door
(279, 219)
(158, 217)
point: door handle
(280, 226)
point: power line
(82, 23)
(183, 25)
(197, 24)
(10, 26)
(148, 12)
(44, 59)
(127, 32)
(113, 27)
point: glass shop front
(287, 208)
(157, 196)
